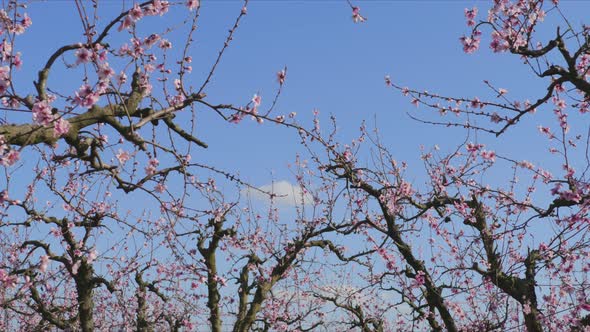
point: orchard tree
(463, 251)
(107, 223)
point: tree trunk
(84, 287)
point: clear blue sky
(334, 65)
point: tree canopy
(111, 219)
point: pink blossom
(546, 131)
(151, 40)
(347, 155)
(498, 43)
(105, 72)
(5, 73)
(569, 195)
(419, 279)
(26, 21)
(83, 55)
(135, 13)
(583, 65)
(61, 127)
(236, 118)
(570, 171)
(356, 15)
(473, 148)
(10, 102)
(165, 44)
(584, 107)
(538, 15)
(44, 263)
(471, 44)
(475, 103)
(562, 117)
(462, 208)
(6, 279)
(281, 75)
(16, 61)
(559, 88)
(256, 100)
(470, 15)
(6, 49)
(488, 155)
(526, 164)
(556, 189)
(495, 118)
(85, 97)
(388, 80)
(150, 169)
(157, 7)
(42, 113)
(17, 29)
(10, 158)
(177, 100)
(160, 187)
(102, 56)
(123, 156)
(138, 49)
(192, 4)
(126, 23)
(560, 103)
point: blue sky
(338, 67)
(334, 66)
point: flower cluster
(43, 114)
(8, 156)
(356, 15)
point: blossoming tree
(75, 255)
(463, 250)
